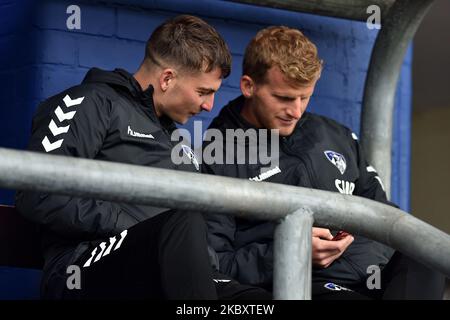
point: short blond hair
(286, 48)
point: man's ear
(166, 79)
(247, 86)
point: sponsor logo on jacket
(138, 134)
(344, 187)
(266, 175)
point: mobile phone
(340, 235)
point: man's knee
(409, 279)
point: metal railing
(294, 207)
(290, 205)
(398, 29)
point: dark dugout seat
(20, 257)
(19, 241)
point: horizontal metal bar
(169, 188)
(292, 256)
(347, 9)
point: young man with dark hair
(127, 250)
(280, 70)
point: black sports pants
(401, 279)
(164, 257)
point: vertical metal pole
(292, 256)
(398, 28)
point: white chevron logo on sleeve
(51, 146)
(57, 130)
(69, 102)
(64, 116)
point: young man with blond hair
(280, 70)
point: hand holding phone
(340, 235)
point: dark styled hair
(190, 43)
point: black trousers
(401, 279)
(164, 257)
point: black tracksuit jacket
(245, 248)
(107, 117)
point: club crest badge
(335, 287)
(191, 155)
(337, 159)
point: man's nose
(207, 105)
(295, 110)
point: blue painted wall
(40, 57)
